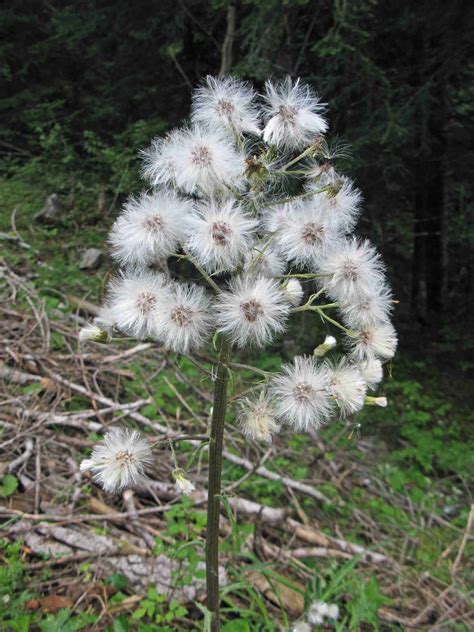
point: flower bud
(94, 333)
(328, 344)
(184, 485)
(376, 401)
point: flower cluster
(248, 194)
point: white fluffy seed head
(184, 319)
(149, 228)
(352, 270)
(293, 114)
(372, 372)
(133, 302)
(364, 310)
(308, 236)
(252, 311)
(375, 341)
(220, 235)
(226, 103)
(120, 460)
(263, 260)
(278, 217)
(294, 291)
(301, 393)
(196, 160)
(347, 385)
(257, 418)
(342, 199)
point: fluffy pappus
(263, 260)
(309, 234)
(368, 309)
(149, 228)
(372, 372)
(343, 200)
(120, 461)
(301, 393)
(196, 160)
(352, 270)
(294, 291)
(133, 301)
(293, 115)
(184, 319)
(226, 103)
(220, 235)
(257, 418)
(379, 341)
(252, 311)
(347, 385)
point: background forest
(85, 85)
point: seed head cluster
(245, 220)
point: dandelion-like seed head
(294, 291)
(301, 393)
(257, 418)
(184, 319)
(352, 270)
(347, 385)
(252, 311)
(308, 236)
(375, 341)
(293, 115)
(133, 300)
(226, 103)
(196, 160)
(372, 372)
(120, 461)
(220, 235)
(149, 228)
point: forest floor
(373, 514)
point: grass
(411, 463)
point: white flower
(375, 340)
(226, 103)
(347, 385)
(308, 235)
(328, 344)
(220, 235)
(257, 418)
(263, 260)
(294, 291)
(149, 228)
(94, 333)
(301, 394)
(252, 311)
(183, 319)
(372, 372)
(120, 460)
(352, 270)
(195, 160)
(293, 115)
(133, 301)
(366, 309)
(183, 484)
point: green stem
(214, 484)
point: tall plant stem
(214, 484)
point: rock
(52, 211)
(91, 259)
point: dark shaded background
(86, 83)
